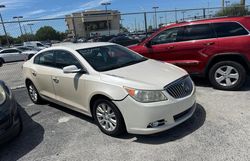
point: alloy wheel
(33, 93)
(227, 76)
(106, 117)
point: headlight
(2, 95)
(146, 96)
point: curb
(17, 87)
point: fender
(229, 56)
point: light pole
(161, 19)
(6, 36)
(106, 9)
(30, 25)
(18, 19)
(183, 15)
(155, 8)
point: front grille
(180, 88)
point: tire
(114, 115)
(33, 94)
(1, 62)
(222, 73)
(30, 56)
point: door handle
(209, 43)
(56, 80)
(170, 47)
(33, 73)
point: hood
(148, 75)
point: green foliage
(47, 33)
(233, 10)
(43, 34)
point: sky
(33, 9)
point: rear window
(197, 32)
(227, 29)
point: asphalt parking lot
(219, 130)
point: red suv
(216, 48)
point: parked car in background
(10, 119)
(119, 88)
(14, 54)
(35, 44)
(218, 49)
(124, 40)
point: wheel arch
(236, 57)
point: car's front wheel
(227, 75)
(108, 117)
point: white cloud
(84, 6)
(14, 4)
(35, 12)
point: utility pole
(106, 9)
(30, 25)
(18, 19)
(155, 8)
(243, 2)
(176, 18)
(6, 36)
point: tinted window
(10, 51)
(197, 32)
(229, 29)
(63, 59)
(46, 59)
(39, 45)
(110, 57)
(167, 36)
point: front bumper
(138, 116)
(10, 121)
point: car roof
(210, 20)
(77, 46)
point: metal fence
(22, 30)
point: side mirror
(148, 44)
(72, 69)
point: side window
(167, 36)
(197, 32)
(39, 45)
(46, 59)
(227, 29)
(64, 58)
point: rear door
(233, 37)
(195, 44)
(42, 72)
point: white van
(35, 44)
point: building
(89, 23)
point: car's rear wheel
(1, 62)
(108, 117)
(33, 94)
(227, 75)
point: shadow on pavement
(30, 137)
(178, 132)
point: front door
(70, 87)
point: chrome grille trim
(180, 88)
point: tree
(233, 10)
(3, 41)
(47, 33)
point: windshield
(110, 57)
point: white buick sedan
(122, 90)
